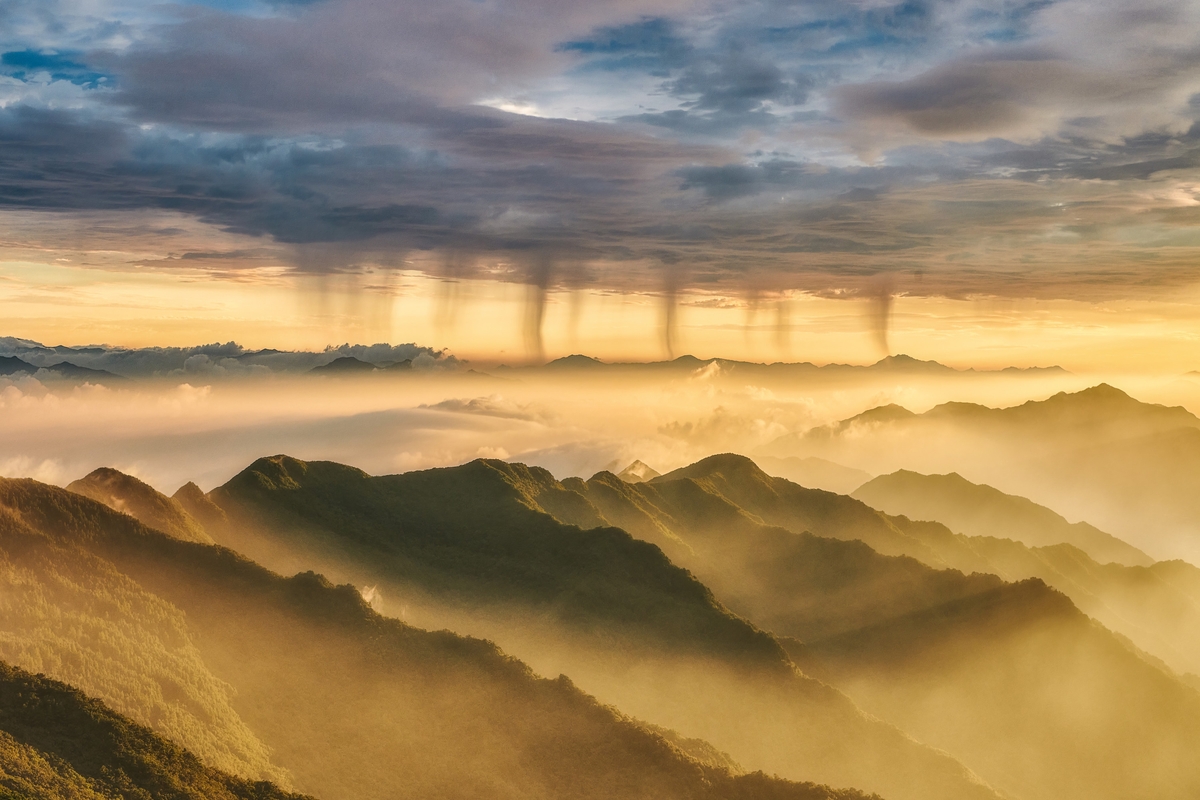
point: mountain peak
(575, 361)
(728, 465)
(906, 362)
(344, 364)
(285, 472)
(140, 500)
(638, 472)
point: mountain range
(1123, 465)
(301, 682)
(824, 577)
(711, 627)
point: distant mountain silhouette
(68, 371)
(56, 743)
(353, 705)
(979, 510)
(822, 594)
(65, 370)
(10, 365)
(815, 473)
(897, 364)
(343, 365)
(1098, 454)
(574, 362)
(1157, 605)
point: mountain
(761, 559)
(815, 473)
(891, 365)
(1098, 454)
(574, 362)
(348, 704)
(10, 365)
(880, 627)
(1018, 677)
(192, 499)
(797, 562)
(638, 472)
(56, 743)
(507, 552)
(127, 494)
(68, 371)
(65, 370)
(1154, 604)
(342, 365)
(979, 510)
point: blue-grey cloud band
(816, 144)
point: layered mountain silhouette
(980, 510)
(62, 370)
(339, 701)
(815, 473)
(787, 584)
(1098, 454)
(897, 364)
(1154, 604)
(507, 552)
(126, 493)
(56, 743)
(861, 599)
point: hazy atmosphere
(506, 399)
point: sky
(976, 181)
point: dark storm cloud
(727, 143)
(355, 192)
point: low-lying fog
(576, 422)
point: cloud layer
(962, 146)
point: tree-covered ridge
(1004, 676)
(745, 534)
(68, 613)
(1043, 701)
(138, 499)
(476, 548)
(56, 743)
(482, 533)
(980, 510)
(358, 706)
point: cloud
(494, 406)
(215, 360)
(808, 145)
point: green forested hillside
(1022, 666)
(128, 494)
(72, 615)
(354, 705)
(56, 743)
